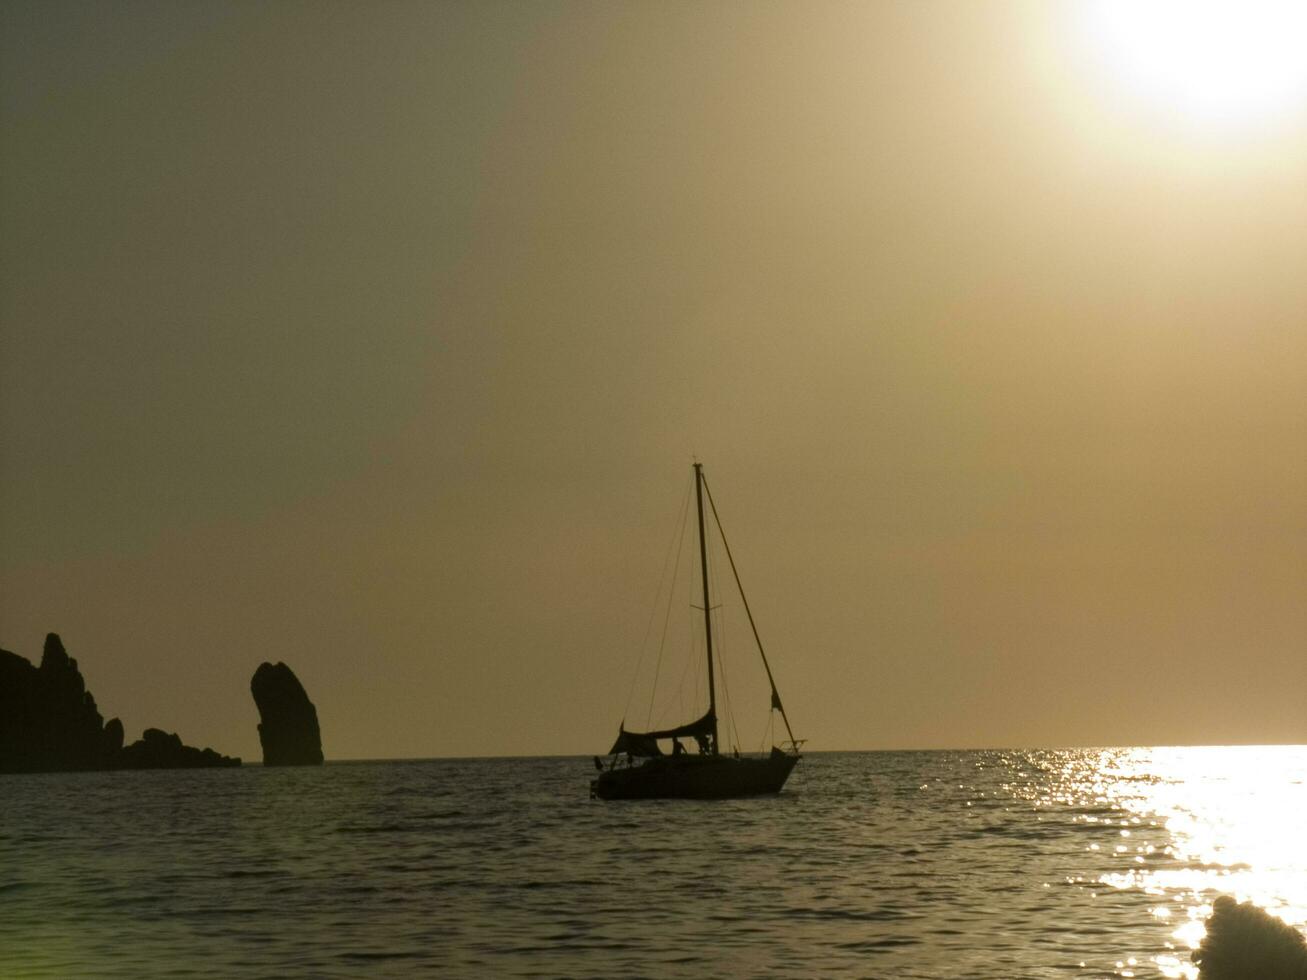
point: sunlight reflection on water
(1234, 816)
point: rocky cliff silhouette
(288, 726)
(49, 722)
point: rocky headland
(49, 722)
(288, 725)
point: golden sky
(378, 339)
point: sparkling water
(996, 864)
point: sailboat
(640, 768)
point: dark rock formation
(288, 722)
(113, 733)
(49, 721)
(1244, 942)
(163, 750)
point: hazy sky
(378, 338)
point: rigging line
(720, 650)
(671, 596)
(719, 646)
(776, 698)
(679, 696)
(680, 684)
(726, 694)
(648, 627)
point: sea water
(999, 864)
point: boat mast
(707, 610)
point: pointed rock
(49, 720)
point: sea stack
(288, 721)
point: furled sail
(646, 743)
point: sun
(1209, 60)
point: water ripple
(1076, 863)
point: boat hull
(696, 777)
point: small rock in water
(1245, 942)
(158, 749)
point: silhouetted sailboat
(640, 769)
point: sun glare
(1225, 61)
(1234, 818)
